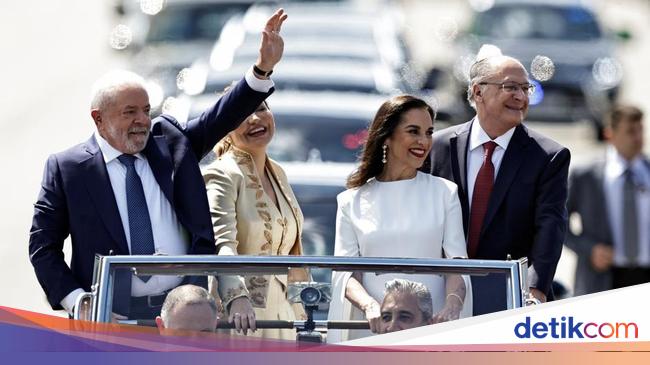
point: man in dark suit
(613, 243)
(135, 186)
(512, 182)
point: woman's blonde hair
(225, 144)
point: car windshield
(319, 299)
(188, 23)
(537, 22)
(317, 138)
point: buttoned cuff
(256, 84)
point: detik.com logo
(568, 327)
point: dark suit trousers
(623, 276)
(489, 293)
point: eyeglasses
(513, 87)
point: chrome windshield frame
(199, 265)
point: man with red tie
(512, 181)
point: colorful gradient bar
(27, 337)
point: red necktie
(481, 197)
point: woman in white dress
(392, 210)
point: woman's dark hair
(386, 120)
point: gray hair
(418, 290)
(186, 295)
(107, 86)
(481, 70)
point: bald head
(498, 90)
(488, 67)
(188, 307)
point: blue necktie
(139, 221)
(630, 219)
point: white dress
(416, 218)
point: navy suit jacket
(526, 215)
(77, 200)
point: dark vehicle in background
(173, 38)
(314, 127)
(316, 186)
(317, 75)
(338, 46)
(584, 77)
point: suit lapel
(459, 154)
(458, 146)
(160, 161)
(102, 195)
(512, 160)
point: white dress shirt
(615, 167)
(475, 153)
(170, 238)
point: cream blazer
(237, 203)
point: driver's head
(407, 304)
(190, 308)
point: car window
(359, 83)
(184, 23)
(317, 138)
(538, 22)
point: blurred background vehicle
(314, 127)
(315, 75)
(570, 57)
(169, 36)
(350, 24)
(341, 61)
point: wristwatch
(261, 72)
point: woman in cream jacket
(254, 212)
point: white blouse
(416, 218)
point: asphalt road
(52, 52)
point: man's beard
(131, 146)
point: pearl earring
(383, 156)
